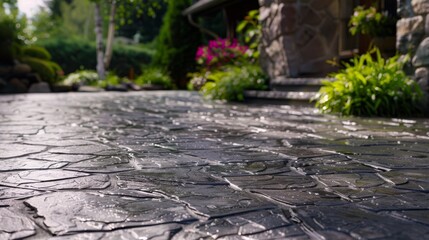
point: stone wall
(299, 36)
(413, 37)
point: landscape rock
(89, 89)
(420, 6)
(422, 55)
(21, 69)
(17, 85)
(422, 78)
(41, 87)
(413, 25)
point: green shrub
(372, 22)
(111, 80)
(177, 43)
(13, 48)
(47, 70)
(73, 55)
(156, 76)
(36, 52)
(229, 83)
(370, 86)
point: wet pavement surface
(169, 165)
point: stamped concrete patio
(169, 165)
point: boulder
(89, 89)
(420, 6)
(133, 87)
(405, 9)
(422, 78)
(410, 25)
(62, 88)
(118, 88)
(3, 83)
(21, 69)
(41, 87)
(422, 55)
(152, 87)
(5, 70)
(17, 86)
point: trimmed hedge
(36, 52)
(47, 70)
(73, 55)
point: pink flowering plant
(220, 52)
(228, 68)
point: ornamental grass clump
(371, 86)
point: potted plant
(380, 26)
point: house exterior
(412, 37)
(300, 36)
(233, 11)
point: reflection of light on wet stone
(61, 157)
(85, 149)
(9, 150)
(68, 212)
(27, 164)
(112, 166)
(41, 176)
(15, 226)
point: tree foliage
(177, 43)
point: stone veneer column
(299, 36)
(413, 37)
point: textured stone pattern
(413, 37)
(299, 36)
(168, 165)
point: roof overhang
(204, 5)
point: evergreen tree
(177, 43)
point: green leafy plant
(155, 76)
(251, 31)
(369, 21)
(83, 77)
(370, 86)
(112, 80)
(230, 82)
